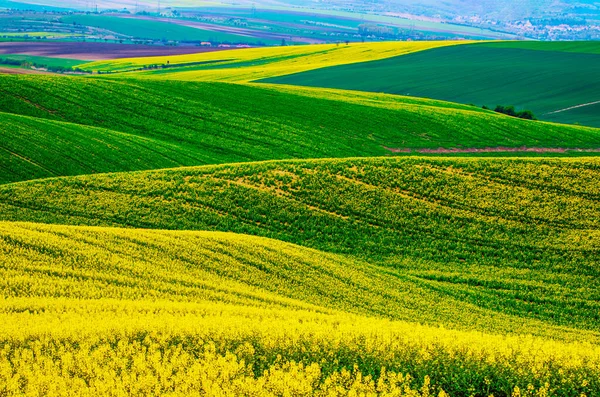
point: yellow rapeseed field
(113, 312)
(258, 63)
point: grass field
(542, 77)
(157, 30)
(186, 123)
(222, 237)
(580, 47)
(33, 148)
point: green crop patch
(543, 77)
(155, 124)
(32, 148)
(40, 61)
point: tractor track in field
(573, 107)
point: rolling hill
(188, 231)
(456, 224)
(193, 312)
(134, 125)
(557, 81)
(32, 148)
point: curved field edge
(493, 233)
(84, 308)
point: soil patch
(87, 51)
(21, 71)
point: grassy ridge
(194, 312)
(171, 123)
(543, 77)
(493, 233)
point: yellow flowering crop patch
(114, 312)
(258, 63)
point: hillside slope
(547, 78)
(32, 148)
(455, 225)
(42, 261)
(120, 312)
(166, 124)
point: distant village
(541, 29)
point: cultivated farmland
(158, 30)
(187, 230)
(202, 321)
(510, 262)
(134, 125)
(252, 64)
(557, 81)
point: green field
(44, 61)
(542, 77)
(157, 30)
(33, 148)
(134, 125)
(189, 231)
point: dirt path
(20, 71)
(499, 149)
